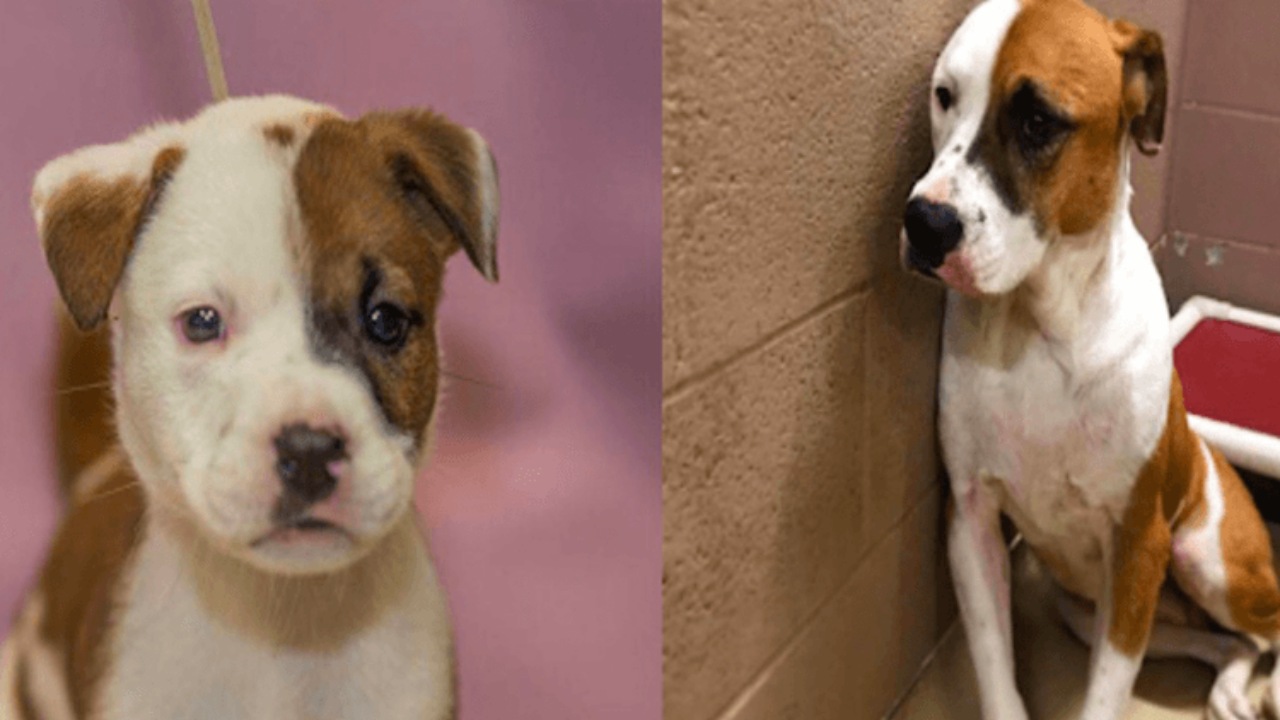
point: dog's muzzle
(933, 230)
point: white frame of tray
(1247, 448)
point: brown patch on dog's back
(82, 577)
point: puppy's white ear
(447, 172)
(90, 206)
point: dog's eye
(386, 325)
(1038, 129)
(202, 324)
(945, 98)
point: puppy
(1059, 403)
(269, 274)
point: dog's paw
(1269, 708)
(1228, 702)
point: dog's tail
(84, 429)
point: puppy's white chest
(175, 659)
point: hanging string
(209, 46)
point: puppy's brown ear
(448, 174)
(1145, 83)
(90, 206)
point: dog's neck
(308, 612)
(1079, 274)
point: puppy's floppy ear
(447, 173)
(1145, 83)
(90, 206)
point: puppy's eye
(945, 98)
(202, 324)
(386, 325)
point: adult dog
(1059, 403)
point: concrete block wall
(803, 568)
(801, 497)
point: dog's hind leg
(1222, 559)
(1232, 656)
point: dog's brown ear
(447, 173)
(90, 206)
(1146, 83)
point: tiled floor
(1051, 668)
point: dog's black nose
(933, 229)
(303, 457)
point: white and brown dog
(1059, 404)
(269, 272)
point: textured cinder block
(904, 321)
(791, 132)
(763, 509)
(864, 648)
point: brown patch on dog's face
(89, 229)
(279, 134)
(385, 200)
(368, 250)
(1066, 87)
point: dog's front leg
(980, 570)
(1136, 560)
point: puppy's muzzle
(933, 230)
(305, 462)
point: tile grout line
(957, 625)
(744, 695)
(1228, 111)
(924, 667)
(765, 341)
(1174, 123)
(1233, 242)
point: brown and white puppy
(1059, 403)
(269, 274)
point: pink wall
(544, 500)
(1225, 183)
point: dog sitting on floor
(1059, 405)
(268, 273)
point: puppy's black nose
(933, 229)
(303, 457)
